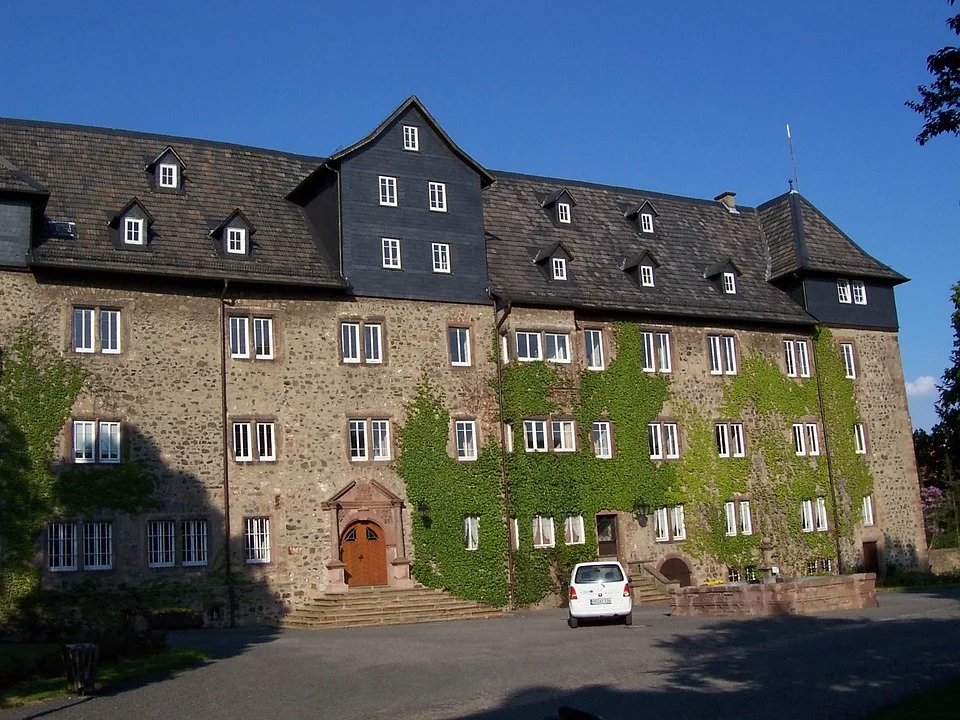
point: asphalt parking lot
(525, 665)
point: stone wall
(945, 561)
(801, 596)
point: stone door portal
(363, 550)
(676, 569)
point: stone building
(277, 338)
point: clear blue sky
(687, 98)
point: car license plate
(600, 601)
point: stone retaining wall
(800, 596)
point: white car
(600, 590)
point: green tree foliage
(940, 101)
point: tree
(940, 102)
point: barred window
(62, 547)
(256, 540)
(193, 542)
(97, 546)
(160, 544)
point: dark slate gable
(13, 180)
(800, 237)
(691, 235)
(93, 172)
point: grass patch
(161, 665)
(942, 701)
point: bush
(175, 619)
(29, 661)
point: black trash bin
(80, 661)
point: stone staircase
(385, 607)
(647, 589)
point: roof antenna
(793, 161)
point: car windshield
(598, 573)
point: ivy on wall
(37, 391)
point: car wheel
(572, 621)
(628, 618)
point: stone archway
(677, 570)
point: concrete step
(364, 603)
(291, 621)
(374, 612)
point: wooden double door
(363, 550)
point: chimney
(728, 199)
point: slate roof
(13, 179)
(690, 235)
(801, 237)
(95, 172)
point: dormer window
(133, 231)
(411, 138)
(730, 283)
(237, 241)
(646, 222)
(563, 212)
(169, 176)
(559, 268)
(646, 275)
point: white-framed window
(263, 338)
(85, 328)
(89, 448)
(671, 441)
(256, 540)
(730, 512)
(656, 352)
(813, 439)
(161, 550)
(655, 438)
(564, 435)
(646, 222)
(357, 431)
(441, 258)
(558, 347)
(573, 530)
(239, 340)
(821, 508)
(859, 292)
(796, 357)
(559, 265)
(646, 276)
(738, 447)
(61, 547)
(169, 175)
(535, 435)
(110, 331)
(97, 546)
(729, 283)
(458, 339)
(721, 435)
(806, 515)
(820, 566)
(438, 196)
(868, 510)
(466, 438)
(859, 439)
(508, 436)
(803, 358)
(543, 531)
(193, 543)
(266, 442)
(388, 191)
(723, 354)
(84, 441)
(528, 346)
(380, 439)
(746, 518)
(790, 358)
(849, 362)
(241, 442)
(471, 532)
(411, 138)
(352, 351)
(391, 253)
(133, 233)
(843, 291)
(593, 345)
(661, 525)
(237, 241)
(109, 442)
(799, 439)
(602, 445)
(563, 213)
